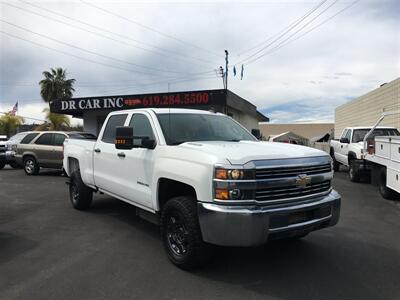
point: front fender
(197, 175)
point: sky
(301, 59)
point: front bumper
(255, 225)
(7, 156)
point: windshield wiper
(176, 143)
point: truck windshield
(180, 128)
(359, 134)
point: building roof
(307, 130)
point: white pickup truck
(348, 150)
(204, 179)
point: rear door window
(59, 139)
(45, 139)
(29, 137)
(112, 123)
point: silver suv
(44, 149)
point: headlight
(226, 187)
(232, 174)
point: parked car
(204, 179)
(3, 140)
(44, 149)
(348, 150)
(11, 147)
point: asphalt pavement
(48, 250)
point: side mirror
(256, 133)
(147, 143)
(344, 141)
(124, 137)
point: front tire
(354, 174)
(2, 164)
(80, 195)
(181, 234)
(31, 166)
(336, 164)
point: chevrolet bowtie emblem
(302, 180)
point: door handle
(97, 150)
(121, 154)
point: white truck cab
(349, 149)
(204, 179)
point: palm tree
(55, 85)
(9, 123)
(56, 121)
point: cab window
(348, 134)
(112, 123)
(45, 139)
(141, 127)
(344, 133)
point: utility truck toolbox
(204, 179)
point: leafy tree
(55, 85)
(56, 121)
(9, 123)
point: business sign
(182, 99)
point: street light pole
(226, 69)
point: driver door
(137, 164)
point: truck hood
(245, 151)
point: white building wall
(248, 121)
(366, 110)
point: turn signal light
(221, 194)
(221, 174)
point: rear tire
(354, 174)
(80, 195)
(31, 166)
(181, 234)
(2, 164)
(386, 192)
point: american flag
(13, 112)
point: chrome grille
(270, 173)
(292, 180)
(291, 191)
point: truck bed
(84, 150)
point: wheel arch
(168, 188)
(29, 154)
(73, 165)
(351, 156)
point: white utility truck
(349, 149)
(383, 155)
(204, 179)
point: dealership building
(94, 110)
(367, 109)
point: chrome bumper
(255, 225)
